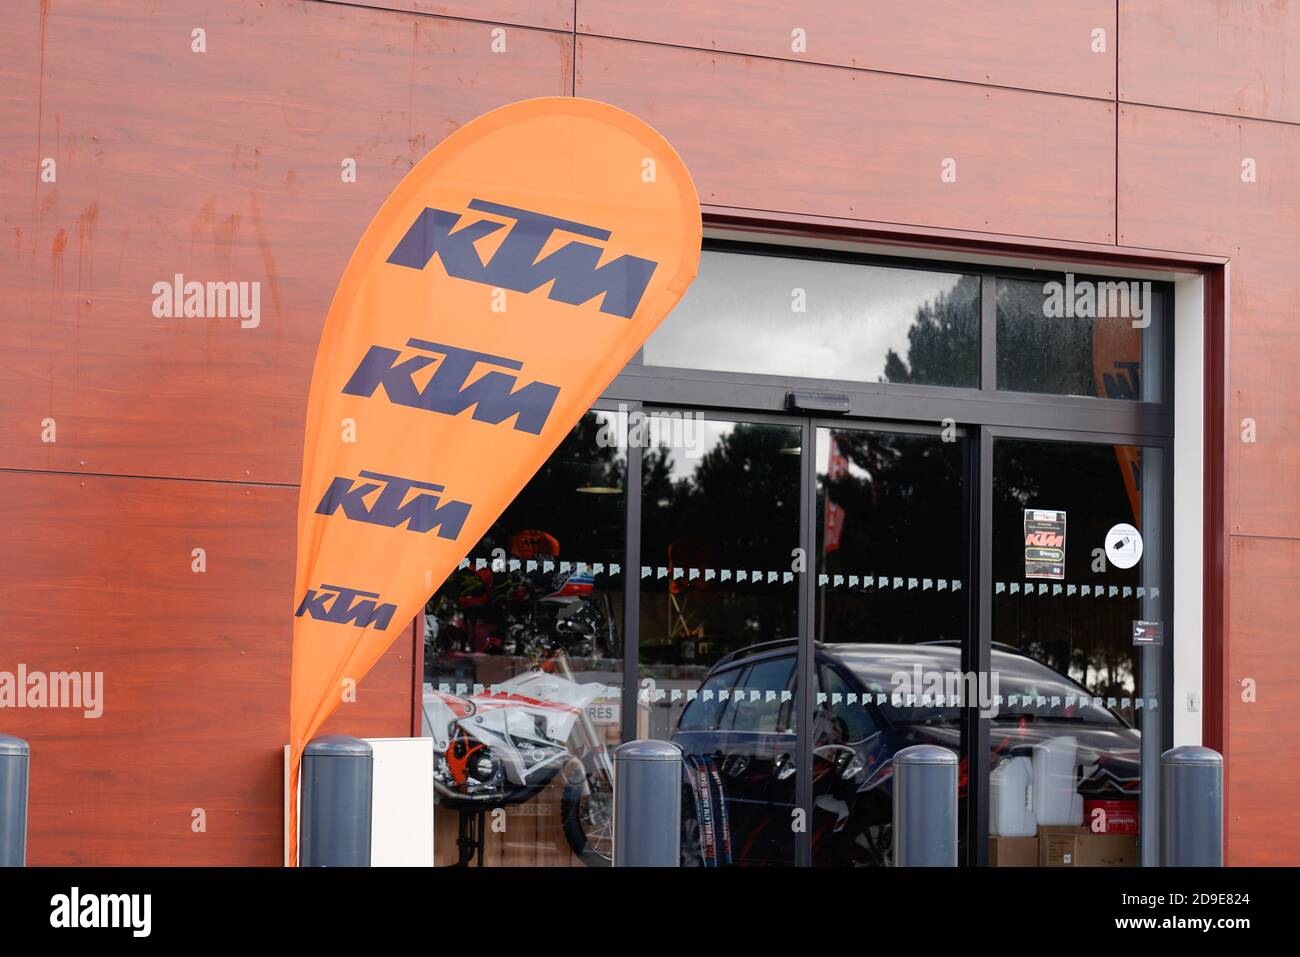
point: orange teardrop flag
(499, 289)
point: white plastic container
(1011, 799)
(1056, 797)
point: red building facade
(149, 463)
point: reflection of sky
(702, 434)
(738, 317)
(705, 434)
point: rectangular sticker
(1044, 544)
(1148, 633)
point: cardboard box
(1013, 851)
(1059, 846)
(1107, 850)
(1113, 816)
(1079, 847)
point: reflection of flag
(1117, 371)
(834, 521)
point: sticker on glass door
(1124, 545)
(1044, 544)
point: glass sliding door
(718, 628)
(892, 598)
(1080, 613)
(1062, 693)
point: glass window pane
(523, 664)
(719, 620)
(1083, 336)
(891, 621)
(1081, 703)
(780, 315)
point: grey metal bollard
(648, 804)
(15, 761)
(925, 807)
(337, 778)
(1191, 813)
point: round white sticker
(1123, 545)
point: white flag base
(401, 820)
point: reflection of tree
(907, 506)
(737, 508)
(589, 526)
(943, 344)
(1076, 635)
(902, 503)
(493, 610)
(1065, 355)
(742, 497)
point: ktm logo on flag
(422, 513)
(492, 396)
(345, 606)
(515, 265)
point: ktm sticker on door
(1044, 544)
(499, 289)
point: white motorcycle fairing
(524, 722)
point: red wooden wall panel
(1181, 182)
(546, 14)
(224, 165)
(98, 577)
(767, 134)
(1236, 57)
(1181, 186)
(1029, 44)
(1263, 773)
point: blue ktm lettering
(572, 268)
(492, 396)
(422, 513)
(346, 606)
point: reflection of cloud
(738, 317)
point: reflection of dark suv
(740, 756)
